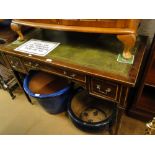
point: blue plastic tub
(53, 103)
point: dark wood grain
(150, 78)
(143, 106)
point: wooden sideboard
(125, 29)
(86, 59)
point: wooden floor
(19, 117)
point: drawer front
(74, 75)
(32, 65)
(16, 63)
(104, 23)
(105, 89)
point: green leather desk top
(94, 51)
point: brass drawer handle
(16, 63)
(108, 90)
(30, 63)
(36, 65)
(65, 73)
(72, 75)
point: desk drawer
(16, 63)
(105, 89)
(31, 65)
(55, 70)
(64, 72)
(74, 75)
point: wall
(147, 27)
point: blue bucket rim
(29, 92)
(80, 122)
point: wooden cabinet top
(112, 26)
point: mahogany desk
(87, 59)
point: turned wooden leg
(17, 28)
(129, 41)
(20, 83)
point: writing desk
(87, 59)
